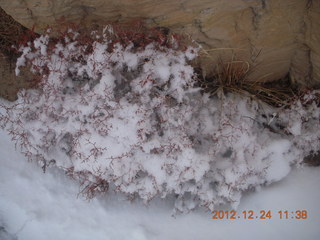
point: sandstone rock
(312, 39)
(276, 37)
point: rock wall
(276, 37)
(312, 39)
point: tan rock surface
(276, 36)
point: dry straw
(232, 76)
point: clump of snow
(132, 118)
(41, 206)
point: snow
(36, 206)
(280, 163)
(131, 117)
(22, 61)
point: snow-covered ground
(38, 206)
(133, 118)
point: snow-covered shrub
(112, 113)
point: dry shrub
(13, 36)
(140, 127)
(132, 32)
(79, 65)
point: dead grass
(232, 76)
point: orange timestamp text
(263, 214)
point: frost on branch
(116, 114)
